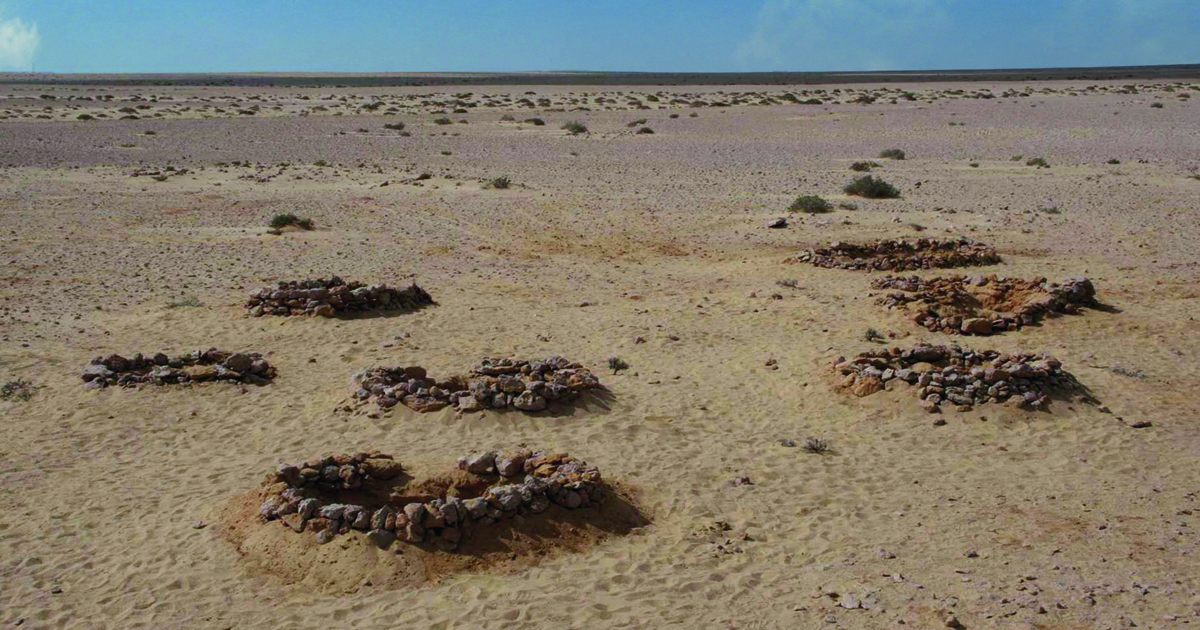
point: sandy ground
(1001, 518)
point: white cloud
(942, 34)
(18, 43)
(839, 34)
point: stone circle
(496, 383)
(952, 375)
(364, 491)
(901, 255)
(983, 305)
(333, 297)
(194, 367)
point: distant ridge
(286, 79)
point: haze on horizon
(140, 36)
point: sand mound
(387, 526)
(949, 374)
(332, 297)
(900, 255)
(159, 369)
(527, 385)
(983, 305)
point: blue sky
(637, 35)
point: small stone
(381, 538)
(953, 622)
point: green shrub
(810, 204)
(892, 154)
(281, 221)
(187, 302)
(86, 117)
(575, 128)
(1038, 162)
(500, 183)
(17, 390)
(1114, 161)
(443, 121)
(864, 167)
(872, 188)
(645, 130)
(398, 126)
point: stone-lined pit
(951, 375)
(983, 305)
(371, 493)
(901, 255)
(333, 297)
(194, 367)
(496, 383)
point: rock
(239, 362)
(381, 538)
(778, 223)
(200, 373)
(96, 371)
(479, 463)
(469, 404)
(528, 401)
(977, 326)
(1141, 424)
(953, 622)
(295, 521)
(510, 466)
(476, 508)
(865, 386)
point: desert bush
(616, 364)
(500, 183)
(640, 121)
(188, 302)
(872, 188)
(281, 221)
(575, 128)
(1017, 158)
(645, 130)
(1038, 162)
(974, 164)
(19, 389)
(863, 167)
(817, 446)
(1114, 161)
(1156, 105)
(791, 284)
(86, 117)
(443, 121)
(536, 122)
(1051, 210)
(507, 118)
(846, 205)
(892, 154)
(810, 204)
(870, 334)
(398, 126)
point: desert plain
(135, 218)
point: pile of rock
(304, 496)
(983, 305)
(900, 255)
(499, 383)
(949, 374)
(328, 298)
(195, 367)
